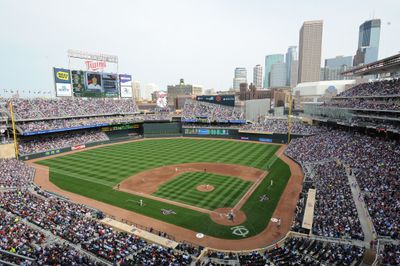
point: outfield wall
(235, 134)
(167, 129)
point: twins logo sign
(240, 231)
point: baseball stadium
(91, 174)
(98, 177)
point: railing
(31, 260)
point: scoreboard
(228, 100)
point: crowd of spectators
(15, 173)
(378, 123)
(375, 164)
(367, 104)
(222, 255)
(301, 251)
(212, 112)
(41, 125)
(277, 125)
(70, 107)
(74, 222)
(295, 251)
(376, 103)
(378, 88)
(54, 124)
(157, 255)
(390, 255)
(62, 140)
(154, 116)
(335, 213)
(17, 237)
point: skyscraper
(277, 75)
(368, 42)
(269, 61)
(240, 77)
(291, 55)
(335, 66)
(294, 70)
(136, 90)
(310, 45)
(257, 76)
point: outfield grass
(227, 190)
(93, 173)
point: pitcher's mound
(205, 188)
(220, 216)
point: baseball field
(124, 175)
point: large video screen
(78, 82)
(94, 84)
(110, 84)
(228, 100)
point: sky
(162, 41)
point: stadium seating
(375, 164)
(277, 125)
(294, 251)
(19, 238)
(378, 88)
(301, 251)
(61, 108)
(63, 140)
(335, 214)
(373, 105)
(73, 222)
(15, 173)
(390, 255)
(211, 112)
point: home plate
(199, 235)
(274, 220)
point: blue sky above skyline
(162, 41)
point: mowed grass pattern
(227, 190)
(111, 164)
(94, 173)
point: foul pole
(14, 131)
(289, 117)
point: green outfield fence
(171, 130)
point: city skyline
(144, 37)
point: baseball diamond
(95, 173)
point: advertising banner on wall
(62, 81)
(125, 82)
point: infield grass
(94, 173)
(227, 190)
